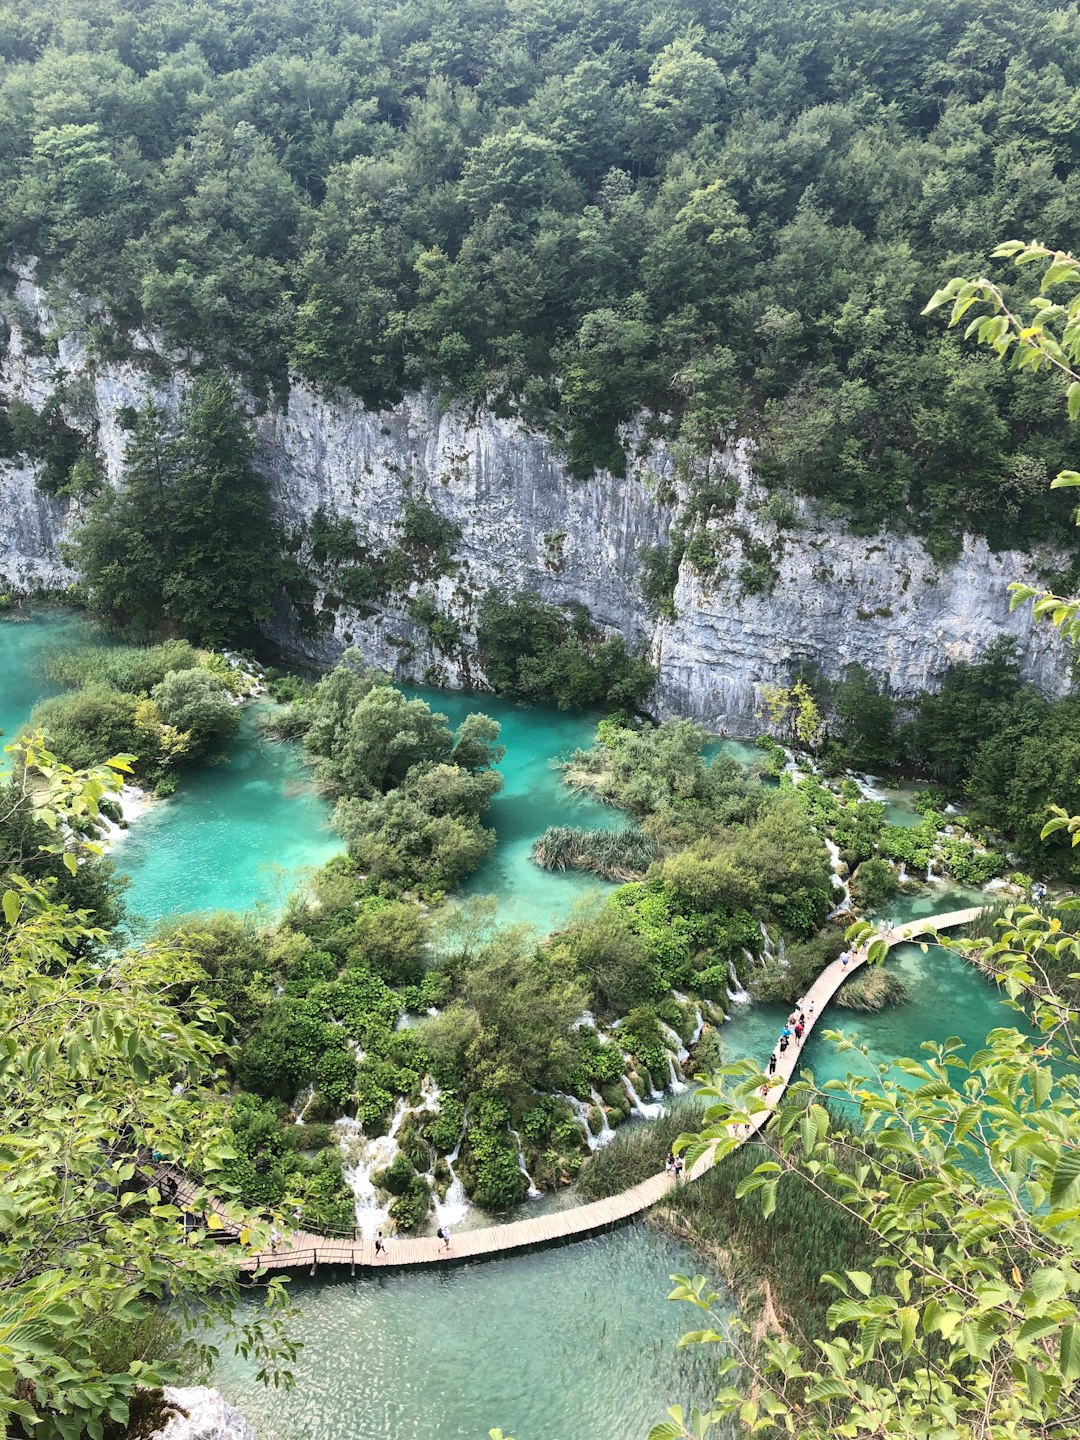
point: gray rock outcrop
(202, 1415)
(825, 597)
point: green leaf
(1069, 1352)
(1066, 1176)
(1069, 478)
(861, 1280)
(11, 906)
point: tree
(187, 541)
(100, 1075)
(196, 704)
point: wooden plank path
(305, 1251)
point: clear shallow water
(24, 647)
(573, 1342)
(234, 836)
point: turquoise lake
(578, 1341)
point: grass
(135, 669)
(783, 1256)
(636, 1152)
(621, 855)
(871, 990)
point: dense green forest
(729, 215)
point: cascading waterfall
(735, 992)
(901, 878)
(303, 1100)
(699, 1025)
(606, 1134)
(362, 1157)
(675, 1041)
(581, 1115)
(637, 1105)
(453, 1207)
(843, 905)
(675, 1085)
(532, 1193)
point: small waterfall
(868, 784)
(735, 992)
(453, 1207)
(681, 1052)
(675, 1085)
(586, 1022)
(637, 1105)
(532, 1193)
(767, 949)
(607, 1134)
(362, 1157)
(581, 1115)
(699, 1025)
(843, 905)
(901, 878)
(302, 1102)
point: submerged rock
(204, 1414)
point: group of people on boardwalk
(674, 1165)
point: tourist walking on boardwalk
(772, 1063)
(799, 1028)
(678, 1168)
(669, 1163)
(275, 1239)
(443, 1233)
(380, 1245)
(844, 958)
(783, 1043)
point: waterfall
(767, 950)
(581, 1115)
(607, 1134)
(532, 1193)
(735, 992)
(362, 1157)
(675, 1085)
(637, 1105)
(868, 784)
(453, 1207)
(302, 1102)
(699, 1025)
(843, 905)
(901, 878)
(681, 1052)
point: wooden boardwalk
(305, 1251)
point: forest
(729, 218)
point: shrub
(397, 1177)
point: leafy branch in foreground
(1048, 338)
(104, 1077)
(965, 1171)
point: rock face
(823, 596)
(204, 1415)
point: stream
(568, 1342)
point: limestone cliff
(823, 595)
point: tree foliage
(187, 541)
(101, 1075)
(729, 218)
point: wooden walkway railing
(305, 1251)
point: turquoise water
(235, 836)
(573, 1342)
(24, 646)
